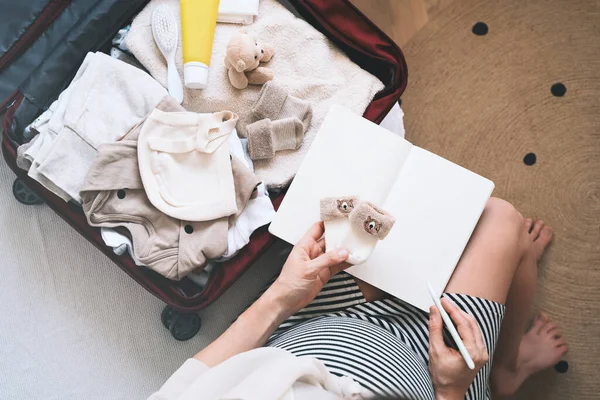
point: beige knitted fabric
(275, 103)
(185, 165)
(306, 64)
(265, 137)
(371, 219)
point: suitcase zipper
(52, 10)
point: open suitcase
(43, 46)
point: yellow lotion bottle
(198, 22)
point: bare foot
(540, 235)
(541, 347)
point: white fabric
(121, 244)
(259, 374)
(258, 212)
(339, 233)
(237, 11)
(394, 121)
(105, 99)
(306, 64)
(185, 164)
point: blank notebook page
(437, 205)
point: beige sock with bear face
(354, 225)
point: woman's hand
(306, 270)
(450, 374)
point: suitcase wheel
(182, 326)
(24, 194)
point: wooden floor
(401, 19)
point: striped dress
(383, 345)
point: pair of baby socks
(283, 120)
(354, 225)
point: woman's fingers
(330, 259)
(461, 321)
(321, 243)
(436, 326)
(477, 335)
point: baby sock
(275, 103)
(369, 224)
(334, 214)
(265, 137)
(354, 225)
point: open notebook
(436, 202)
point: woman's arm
(249, 331)
(305, 272)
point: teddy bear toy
(244, 54)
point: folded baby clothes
(106, 99)
(307, 65)
(185, 164)
(237, 11)
(113, 195)
(258, 212)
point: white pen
(459, 343)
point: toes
(528, 224)
(549, 327)
(539, 322)
(552, 330)
(545, 235)
(563, 349)
(537, 228)
(560, 342)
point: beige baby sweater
(185, 164)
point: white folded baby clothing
(237, 11)
(120, 243)
(258, 212)
(185, 164)
(104, 101)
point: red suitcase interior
(342, 23)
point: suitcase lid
(41, 67)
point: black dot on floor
(121, 194)
(188, 229)
(529, 159)
(558, 89)
(480, 29)
(562, 367)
